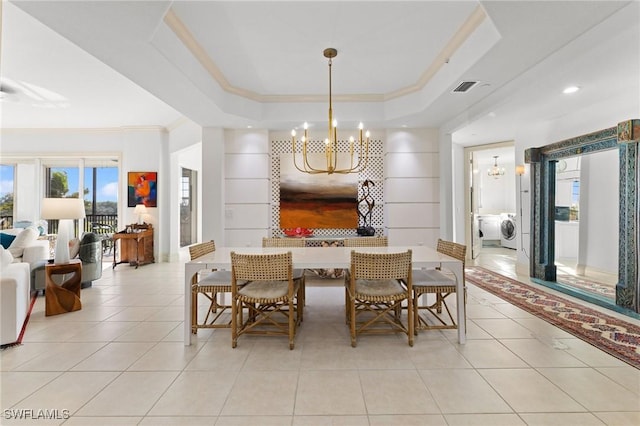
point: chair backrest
(380, 266)
(201, 249)
(455, 250)
(366, 242)
(283, 242)
(261, 267)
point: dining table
(325, 258)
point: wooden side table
(64, 297)
(136, 247)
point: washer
(508, 230)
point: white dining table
(324, 258)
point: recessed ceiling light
(570, 89)
(249, 126)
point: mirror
(586, 223)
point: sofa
(24, 245)
(14, 296)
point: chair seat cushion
(379, 288)
(266, 291)
(216, 278)
(431, 277)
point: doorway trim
(625, 136)
(468, 177)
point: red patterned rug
(612, 335)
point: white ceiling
(234, 64)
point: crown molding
(181, 31)
(160, 129)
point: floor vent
(464, 86)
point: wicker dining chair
(442, 285)
(298, 274)
(378, 285)
(271, 297)
(366, 242)
(212, 284)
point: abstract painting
(318, 201)
(142, 188)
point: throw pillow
(6, 239)
(74, 248)
(24, 239)
(5, 257)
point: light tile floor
(121, 361)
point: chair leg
(234, 323)
(352, 320)
(194, 312)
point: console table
(136, 247)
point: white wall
(599, 196)
(247, 199)
(412, 186)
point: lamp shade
(140, 209)
(520, 169)
(62, 208)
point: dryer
(508, 230)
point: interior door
(474, 194)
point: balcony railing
(92, 223)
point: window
(7, 181)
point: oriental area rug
(614, 336)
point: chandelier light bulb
(361, 126)
(293, 132)
(368, 134)
(335, 123)
(326, 141)
(306, 125)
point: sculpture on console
(366, 201)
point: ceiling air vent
(464, 86)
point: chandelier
(495, 171)
(361, 147)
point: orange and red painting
(142, 188)
(317, 201)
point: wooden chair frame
(435, 282)
(377, 286)
(211, 284)
(263, 297)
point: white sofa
(32, 252)
(14, 299)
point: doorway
(188, 218)
(491, 201)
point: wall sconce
(520, 170)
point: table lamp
(64, 209)
(140, 210)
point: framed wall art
(142, 188)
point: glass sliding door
(187, 207)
